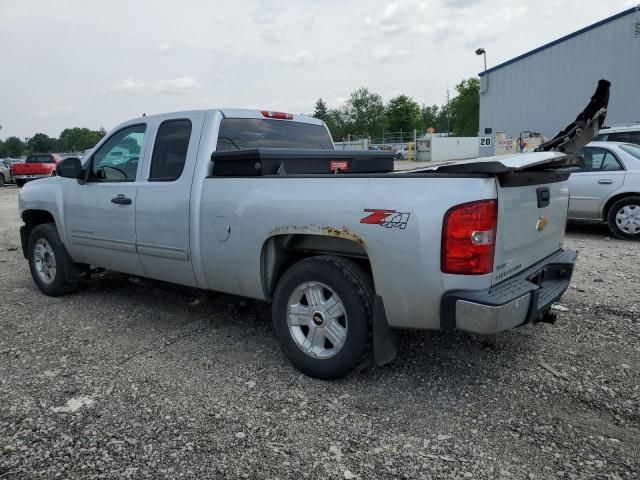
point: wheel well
(614, 199)
(281, 251)
(33, 218)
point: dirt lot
(178, 383)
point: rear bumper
(523, 298)
(26, 178)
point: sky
(95, 64)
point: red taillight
(468, 238)
(277, 115)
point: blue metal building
(542, 90)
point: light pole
(484, 81)
(481, 51)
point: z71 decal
(386, 218)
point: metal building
(543, 90)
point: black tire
(354, 288)
(20, 183)
(616, 228)
(58, 284)
(2, 181)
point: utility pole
(448, 114)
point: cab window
(170, 150)
(117, 159)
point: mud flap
(384, 339)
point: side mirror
(69, 168)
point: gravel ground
(129, 378)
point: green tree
(14, 147)
(41, 143)
(465, 108)
(364, 113)
(429, 116)
(321, 111)
(3, 150)
(78, 139)
(403, 113)
(337, 126)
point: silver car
(5, 173)
(607, 189)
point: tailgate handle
(544, 196)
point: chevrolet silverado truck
(39, 165)
(258, 204)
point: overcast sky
(69, 63)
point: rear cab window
(239, 133)
(40, 159)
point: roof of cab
(226, 112)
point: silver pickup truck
(343, 257)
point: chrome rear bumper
(523, 298)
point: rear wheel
(20, 183)
(48, 261)
(624, 218)
(2, 181)
(322, 315)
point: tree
(78, 139)
(3, 150)
(14, 147)
(403, 113)
(321, 111)
(337, 126)
(465, 108)
(364, 113)
(429, 116)
(41, 143)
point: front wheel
(47, 261)
(19, 183)
(2, 181)
(624, 218)
(322, 315)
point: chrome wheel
(628, 219)
(45, 261)
(317, 320)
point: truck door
(162, 206)
(602, 175)
(100, 214)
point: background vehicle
(629, 133)
(39, 165)
(607, 188)
(5, 173)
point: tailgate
(31, 168)
(531, 225)
(533, 196)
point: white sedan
(607, 189)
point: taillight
(277, 115)
(468, 238)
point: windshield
(632, 150)
(238, 133)
(40, 159)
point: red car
(39, 165)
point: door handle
(605, 181)
(120, 199)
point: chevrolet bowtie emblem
(541, 223)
